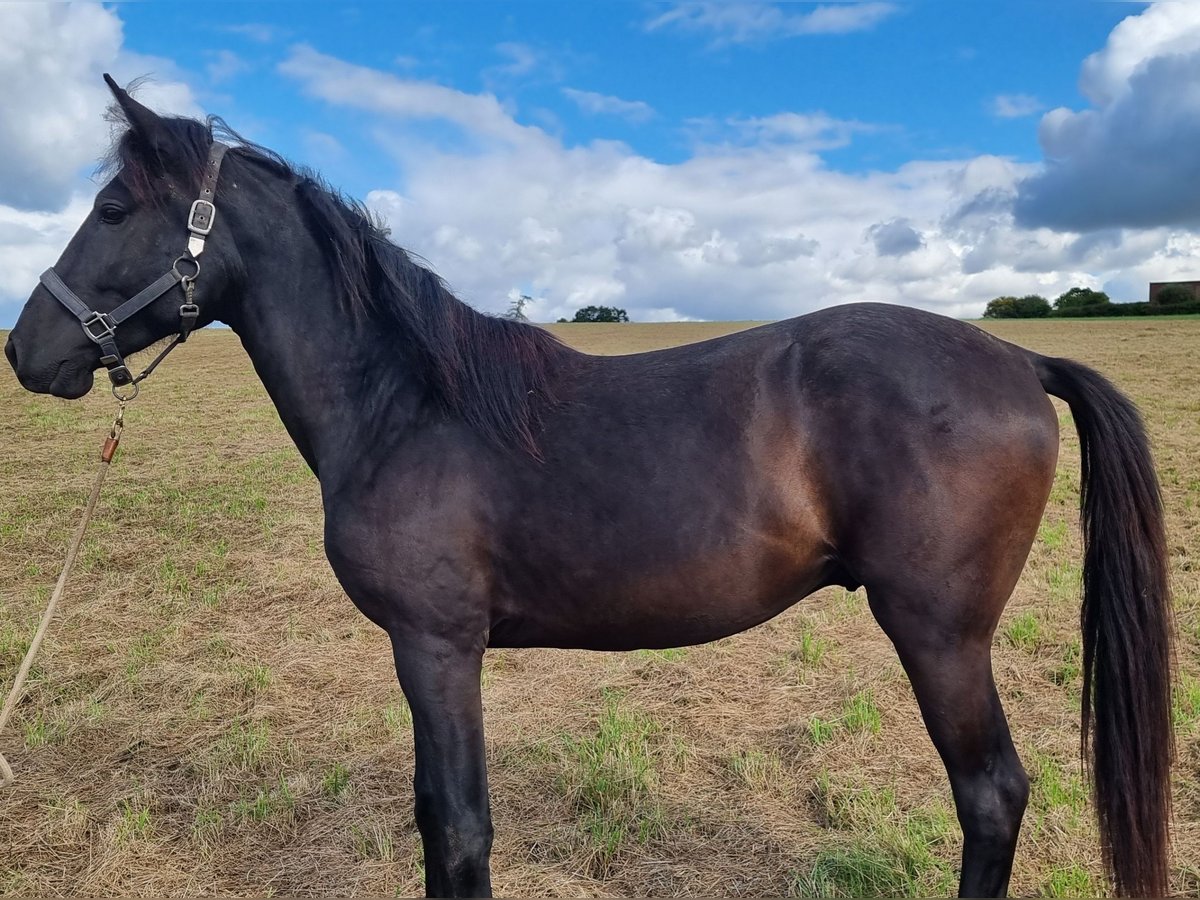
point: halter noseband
(101, 327)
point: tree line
(1174, 299)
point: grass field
(211, 715)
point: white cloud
(757, 227)
(603, 104)
(31, 241)
(1015, 106)
(1165, 29)
(812, 131)
(1130, 159)
(341, 83)
(896, 237)
(52, 127)
(50, 122)
(744, 21)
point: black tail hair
(1126, 619)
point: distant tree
(1001, 308)
(1079, 298)
(1031, 306)
(1174, 295)
(516, 308)
(601, 314)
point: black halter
(101, 327)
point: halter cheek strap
(101, 327)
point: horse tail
(1126, 628)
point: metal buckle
(201, 209)
(105, 321)
(189, 311)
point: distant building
(1156, 286)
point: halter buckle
(201, 217)
(107, 326)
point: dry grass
(211, 715)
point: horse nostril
(10, 350)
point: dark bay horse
(486, 486)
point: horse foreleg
(440, 678)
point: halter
(101, 327)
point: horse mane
(493, 373)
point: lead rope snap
(106, 455)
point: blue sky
(742, 159)
(925, 79)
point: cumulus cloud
(895, 238)
(603, 104)
(1129, 160)
(745, 21)
(52, 127)
(758, 227)
(50, 122)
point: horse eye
(111, 214)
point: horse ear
(143, 121)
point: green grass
(1024, 632)
(336, 780)
(812, 649)
(253, 679)
(756, 769)
(611, 780)
(1064, 582)
(206, 826)
(41, 731)
(397, 717)
(1053, 534)
(1052, 786)
(134, 823)
(889, 854)
(1073, 881)
(860, 714)
(141, 653)
(1185, 704)
(1067, 671)
(820, 731)
(244, 746)
(267, 803)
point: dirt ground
(211, 715)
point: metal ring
(125, 399)
(189, 259)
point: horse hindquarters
(937, 525)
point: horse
(484, 485)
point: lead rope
(106, 455)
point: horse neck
(337, 381)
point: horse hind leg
(951, 676)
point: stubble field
(211, 715)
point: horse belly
(668, 606)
